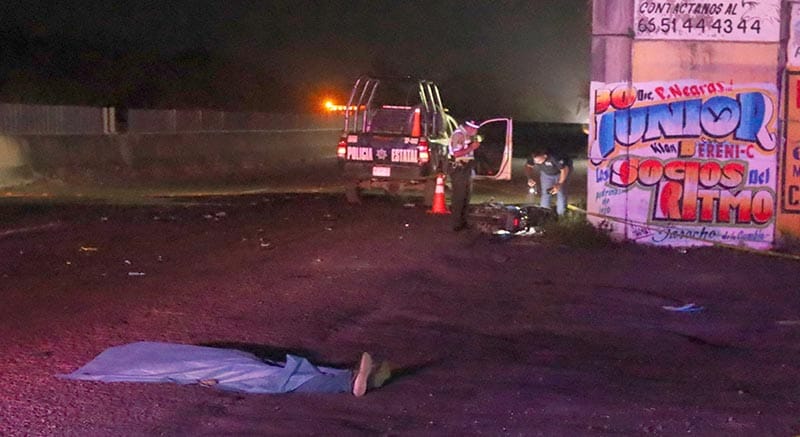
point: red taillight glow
(341, 151)
(516, 222)
(424, 153)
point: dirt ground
(489, 336)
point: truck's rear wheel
(428, 192)
(352, 192)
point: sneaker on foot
(380, 375)
(362, 374)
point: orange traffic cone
(439, 203)
(416, 129)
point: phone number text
(698, 26)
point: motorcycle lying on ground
(498, 218)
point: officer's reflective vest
(463, 145)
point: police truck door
(493, 157)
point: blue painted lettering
(720, 116)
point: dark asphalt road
(516, 337)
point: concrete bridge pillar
(685, 127)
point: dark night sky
(528, 59)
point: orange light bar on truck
(331, 107)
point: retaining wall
(164, 158)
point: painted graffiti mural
(685, 162)
(790, 199)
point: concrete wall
(739, 62)
(14, 168)
(164, 158)
(670, 96)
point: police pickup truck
(396, 135)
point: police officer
(553, 174)
(463, 143)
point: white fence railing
(19, 119)
(176, 121)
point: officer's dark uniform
(461, 177)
